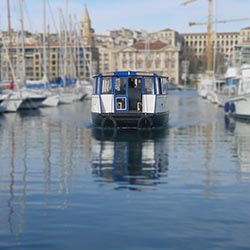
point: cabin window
(164, 85)
(107, 85)
(148, 85)
(158, 86)
(95, 86)
(120, 86)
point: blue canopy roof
(127, 73)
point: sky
(149, 15)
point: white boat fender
(109, 122)
(227, 107)
(145, 122)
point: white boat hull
(2, 109)
(11, 104)
(203, 93)
(212, 96)
(79, 94)
(66, 98)
(239, 107)
(51, 101)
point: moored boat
(130, 99)
(239, 105)
(228, 90)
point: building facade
(243, 48)
(138, 50)
(123, 50)
(87, 53)
(58, 55)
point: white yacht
(239, 105)
(228, 90)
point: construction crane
(187, 2)
(209, 32)
(220, 21)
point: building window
(157, 63)
(139, 64)
(166, 62)
(124, 62)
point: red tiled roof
(156, 45)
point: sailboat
(82, 88)
(50, 99)
(10, 100)
(14, 98)
(32, 100)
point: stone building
(110, 44)
(150, 55)
(138, 50)
(243, 48)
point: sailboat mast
(61, 67)
(44, 40)
(66, 42)
(9, 34)
(22, 41)
(215, 36)
(210, 36)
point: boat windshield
(148, 85)
(120, 85)
(107, 85)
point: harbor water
(65, 185)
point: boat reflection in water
(241, 144)
(129, 157)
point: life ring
(145, 122)
(109, 122)
(227, 107)
(232, 107)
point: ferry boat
(129, 99)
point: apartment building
(67, 61)
(243, 48)
(194, 45)
(78, 57)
